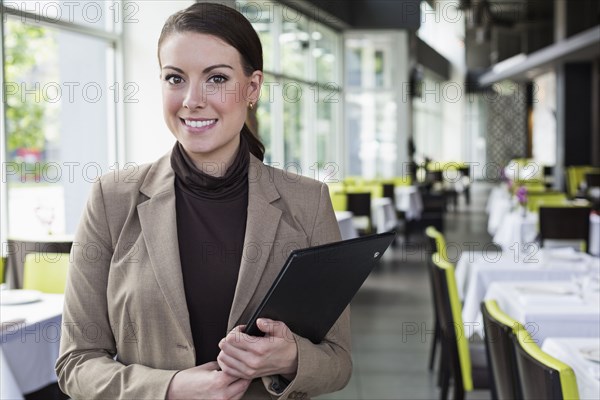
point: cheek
(171, 102)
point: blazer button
(293, 395)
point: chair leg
(436, 338)
(443, 371)
(459, 390)
(445, 383)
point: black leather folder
(317, 283)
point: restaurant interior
(471, 128)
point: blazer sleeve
(87, 366)
(327, 366)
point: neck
(215, 164)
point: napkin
(564, 257)
(546, 295)
(592, 357)
(563, 253)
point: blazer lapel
(261, 228)
(159, 227)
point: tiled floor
(392, 315)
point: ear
(253, 87)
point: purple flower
(522, 195)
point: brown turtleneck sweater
(211, 225)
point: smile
(199, 124)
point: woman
(169, 261)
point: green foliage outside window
(25, 110)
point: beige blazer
(126, 329)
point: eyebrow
(205, 71)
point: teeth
(199, 124)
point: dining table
(384, 215)
(475, 274)
(409, 201)
(347, 228)
(499, 203)
(29, 341)
(518, 228)
(549, 309)
(583, 356)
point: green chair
(464, 360)
(359, 203)
(498, 328)
(537, 200)
(541, 375)
(337, 192)
(2, 264)
(402, 181)
(339, 201)
(437, 246)
(46, 272)
(565, 223)
(440, 242)
(576, 176)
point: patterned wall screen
(506, 124)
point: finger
(237, 390)
(235, 349)
(273, 328)
(233, 367)
(209, 366)
(239, 340)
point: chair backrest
(541, 375)
(388, 191)
(576, 175)
(2, 264)
(451, 323)
(46, 272)
(359, 204)
(568, 223)
(339, 201)
(437, 241)
(498, 328)
(592, 180)
(548, 198)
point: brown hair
(233, 28)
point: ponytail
(256, 147)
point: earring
(251, 106)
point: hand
(249, 357)
(206, 382)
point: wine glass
(45, 214)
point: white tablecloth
(498, 205)
(30, 350)
(9, 389)
(475, 277)
(408, 200)
(549, 309)
(347, 229)
(570, 351)
(515, 228)
(384, 214)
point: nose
(195, 97)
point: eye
(217, 79)
(173, 79)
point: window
(299, 110)
(60, 111)
(374, 104)
(428, 116)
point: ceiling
(497, 30)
